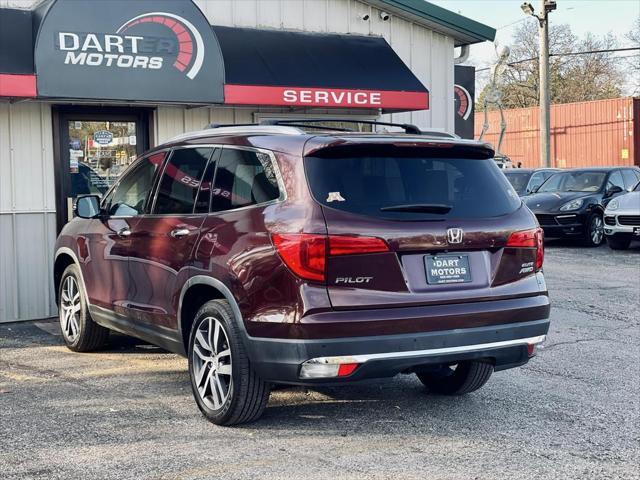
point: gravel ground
(128, 412)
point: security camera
(550, 5)
(364, 17)
(527, 8)
(384, 16)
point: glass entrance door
(99, 151)
(96, 147)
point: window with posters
(96, 147)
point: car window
(615, 180)
(536, 180)
(518, 180)
(407, 185)
(574, 181)
(243, 178)
(129, 197)
(180, 182)
(630, 179)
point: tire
(465, 378)
(594, 230)
(618, 243)
(79, 331)
(236, 396)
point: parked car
(503, 162)
(268, 254)
(527, 180)
(622, 220)
(571, 203)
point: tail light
(344, 245)
(533, 238)
(306, 254)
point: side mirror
(613, 190)
(87, 206)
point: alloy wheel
(211, 360)
(597, 230)
(70, 307)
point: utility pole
(545, 108)
(546, 6)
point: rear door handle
(179, 232)
(124, 232)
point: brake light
(345, 245)
(305, 253)
(533, 238)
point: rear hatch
(446, 215)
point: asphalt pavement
(128, 413)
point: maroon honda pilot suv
(293, 253)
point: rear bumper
(280, 360)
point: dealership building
(86, 85)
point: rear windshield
(411, 187)
(519, 180)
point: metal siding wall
(428, 54)
(583, 134)
(27, 211)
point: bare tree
(573, 78)
(632, 62)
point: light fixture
(384, 16)
(364, 17)
(527, 8)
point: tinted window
(577, 181)
(518, 180)
(180, 181)
(630, 179)
(243, 178)
(615, 180)
(410, 187)
(130, 195)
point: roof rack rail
(224, 125)
(407, 127)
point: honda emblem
(454, 235)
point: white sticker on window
(335, 197)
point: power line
(586, 52)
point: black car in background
(527, 180)
(571, 203)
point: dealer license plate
(447, 269)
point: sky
(596, 16)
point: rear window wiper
(418, 207)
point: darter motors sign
(464, 90)
(128, 50)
